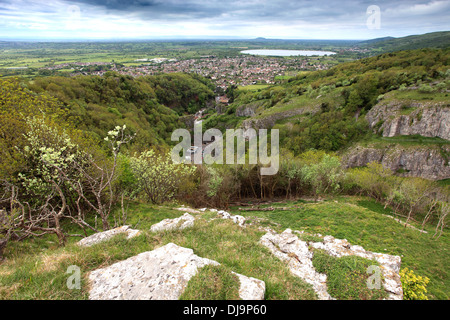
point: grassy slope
(427, 40)
(360, 221)
(36, 269)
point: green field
(253, 87)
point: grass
(361, 221)
(212, 283)
(303, 101)
(414, 95)
(254, 87)
(416, 140)
(347, 276)
(36, 268)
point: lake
(287, 53)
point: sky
(168, 19)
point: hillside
(362, 185)
(427, 40)
(331, 110)
(149, 105)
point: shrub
(424, 88)
(414, 287)
(214, 182)
(324, 176)
(374, 180)
(157, 176)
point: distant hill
(373, 41)
(428, 40)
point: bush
(157, 176)
(374, 180)
(424, 88)
(414, 287)
(324, 176)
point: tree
(324, 176)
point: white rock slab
(161, 274)
(187, 209)
(185, 221)
(288, 247)
(106, 235)
(251, 288)
(389, 264)
(240, 220)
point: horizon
(199, 38)
(147, 20)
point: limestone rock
(185, 221)
(250, 109)
(161, 274)
(251, 288)
(286, 246)
(106, 235)
(428, 119)
(240, 220)
(187, 209)
(404, 223)
(389, 264)
(424, 161)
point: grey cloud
(256, 10)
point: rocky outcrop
(188, 120)
(288, 247)
(240, 220)
(106, 235)
(185, 221)
(428, 162)
(250, 109)
(268, 121)
(428, 119)
(389, 265)
(161, 274)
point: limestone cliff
(429, 162)
(394, 118)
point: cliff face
(396, 118)
(428, 119)
(269, 121)
(429, 162)
(250, 109)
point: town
(238, 71)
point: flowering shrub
(48, 149)
(414, 287)
(158, 176)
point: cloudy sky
(283, 19)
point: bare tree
(443, 213)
